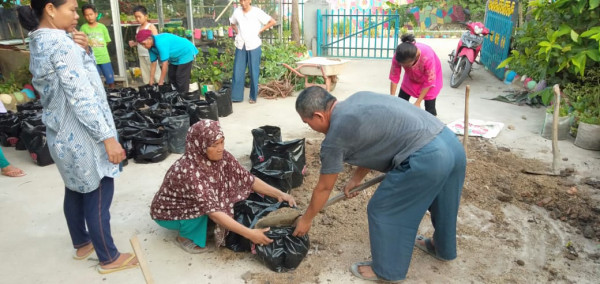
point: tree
(295, 24)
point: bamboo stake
(555, 151)
(141, 259)
(466, 121)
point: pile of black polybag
(151, 122)
(24, 130)
(281, 165)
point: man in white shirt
(248, 22)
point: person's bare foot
(189, 246)
(366, 271)
(121, 261)
(422, 242)
(12, 171)
(84, 250)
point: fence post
(319, 32)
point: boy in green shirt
(98, 38)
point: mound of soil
(499, 213)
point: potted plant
(588, 130)
(214, 66)
(585, 98)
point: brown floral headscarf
(196, 186)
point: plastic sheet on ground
(485, 129)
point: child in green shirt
(98, 38)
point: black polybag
(223, 99)
(261, 198)
(123, 102)
(247, 213)
(130, 124)
(30, 111)
(176, 127)
(32, 105)
(112, 92)
(149, 91)
(126, 137)
(199, 109)
(142, 104)
(260, 136)
(150, 146)
(286, 251)
(190, 96)
(166, 88)
(128, 92)
(127, 118)
(275, 171)
(157, 112)
(170, 97)
(33, 134)
(293, 151)
(10, 128)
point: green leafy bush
(276, 53)
(584, 96)
(16, 80)
(559, 41)
(214, 66)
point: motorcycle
(463, 57)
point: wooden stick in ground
(555, 151)
(135, 243)
(466, 121)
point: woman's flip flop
(75, 256)
(125, 265)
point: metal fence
(357, 33)
(281, 11)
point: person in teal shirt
(98, 39)
(176, 55)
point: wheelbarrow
(328, 68)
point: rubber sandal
(252, 101)
(190, 247)
(428, 247)
(123, 266)
(83, 256)
(354, 269)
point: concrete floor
(35, 244)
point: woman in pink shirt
(423, 73)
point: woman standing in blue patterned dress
(80, 131)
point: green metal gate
(357, 33)
(499, 18)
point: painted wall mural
(428, 17)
